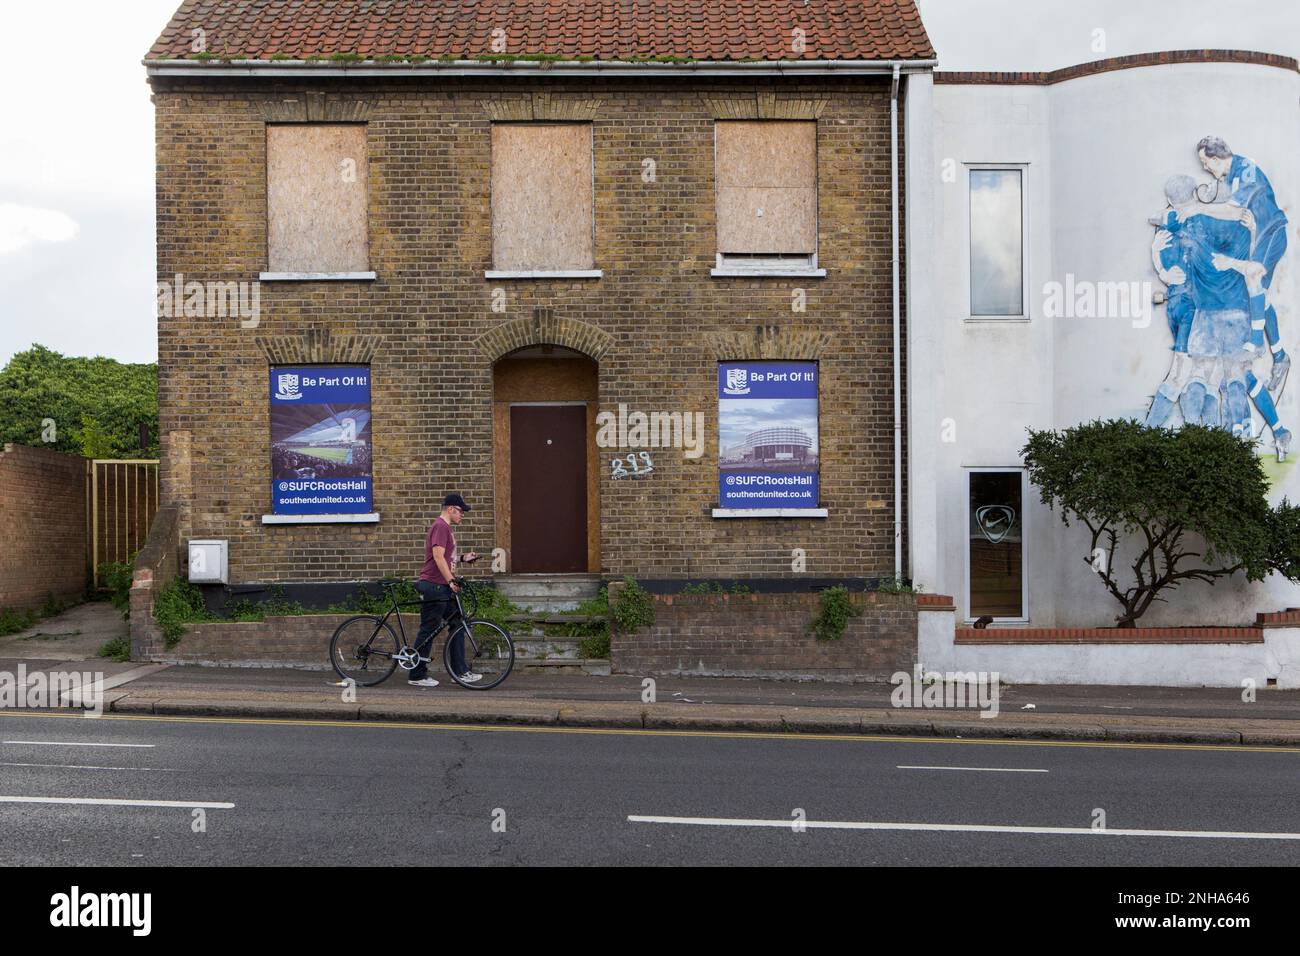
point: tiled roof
(561, 29)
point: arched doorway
(544, 449)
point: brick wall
(658, 319)
(297, 641)
(158, 562)
(42, 525)
(768, 635)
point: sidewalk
(1133, 714)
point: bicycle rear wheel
(364, 650)
(489, 652)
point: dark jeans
(437, 604)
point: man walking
(437, 584)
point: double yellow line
(643, 732)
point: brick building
(408, 248)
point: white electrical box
(208, 562)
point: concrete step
(548, 592)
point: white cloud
(23, 225)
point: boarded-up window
(316, 198)
(541, 196)
(766, 173)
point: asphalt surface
(320, 793)
(1220, 702)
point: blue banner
(320, 440)
(768, 453)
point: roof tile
(566, 29)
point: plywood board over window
(316, 178)
(766, 180)
(542, 196)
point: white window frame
(791, 265)
(1026, 314)
(1024, 541)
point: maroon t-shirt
(440, 536)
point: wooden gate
(123, 502)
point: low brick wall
(1109, 635)
(157, 564)
(768, 635)
(300, 641)
(42, 525)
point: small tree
(1160, 491)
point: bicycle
(366, 650)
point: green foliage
(97, 404)
(702, 587)
(118, 649)
(495, 607)
(176, 606)
(633, 608)
(897, 586)
(595, 647)
(11, 621)
(713, 587)
(593, 635)
(117, 576)
(53, 606)
(833, 617)
(1161, 494)
(276, 605)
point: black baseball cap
(456, 500)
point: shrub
(177, 605)
(117, 576)
(594, 647)
(118, 649)
(11, 622)
(833, 617)
(1159, 494)
(632, 609)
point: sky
(76, 141)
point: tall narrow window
(995, 549)
(542, 206)
(766, 175)
(997, 242)
(316, 199)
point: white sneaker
(426, 682)
(470, 678)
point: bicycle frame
(396, 611)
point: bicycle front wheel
(489, 652)
(364, 650)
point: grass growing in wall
(833, 616)
(632, 609)
(178, 605)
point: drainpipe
(898, 385)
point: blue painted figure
(1215, 312)
(1250, 191)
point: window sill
(774, 272)
(371, 518)
(994, 319)
(544, 274)
(770, 513)
(316, 277)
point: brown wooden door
(548, 488)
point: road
(287, 792)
